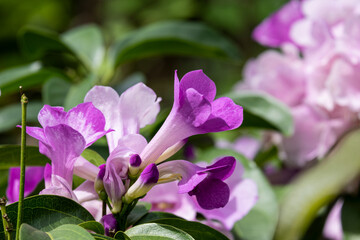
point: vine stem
(24, 101)
(5, 219)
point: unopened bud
(134, 164)
(99, 184)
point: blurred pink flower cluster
(316, 72)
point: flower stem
(24, 102)
(5, 219)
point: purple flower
(275, 30)
(63, 138)
(33, 176)
(194, 112)
(206, 184)
(137, 107)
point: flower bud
(134, 164)
(110, 224)
(148, 178)
(99, 184)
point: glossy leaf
(93, 157)
(173, 38)
(264, 111)
(10, 115)
(93, 226)
(47, 212)
(87, 43)
(27, 76)
(155, 231)
(153, 216)
(318, 186)
(28, 232)
(197, 230)
(350, 218)
(121, 236)
(261, 221)
(10, 155)
(138, 212)
(54, 91)
(101, 237)
(70, 232)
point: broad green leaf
(35, 42)
(121, 236)
(155, 231)
(28, 232)
(26, 76)
(47, 212)
(261, 221)
(10, 115)
(154, 216)
(138, 212)
(70, 232)
(264, 111)
(93, 226)
(54, 91)
(350, 218)
(10, 156)
(173, 38)
(197, 230)
(101, 237)
(87, 43)
(77, 92)
(318, 186)
(93, 157)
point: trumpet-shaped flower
(194, 112)
(63, 138)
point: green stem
(103, 208)
(24, 102)
(5, 219)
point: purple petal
(66, 146)
(222, 168)
(135, 160)
(51, 116)
(150, 174)
(37, 133)
(200, 82)
(275, 30)
(85, 169)
(33, 176)
(106, 100)
(113, 185)
(86, 192)
(225, 115)
(211, 193)
(87, 120)
(47, 175)
(59, 186)
(139, 107)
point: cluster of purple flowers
(316, 73)
(134, 166)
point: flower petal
(50, 116)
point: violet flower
(194, 112)
(34, 175)
(110, 224)
(206, 184)
(62, 139)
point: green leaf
(87, 43)
(27, 76)
(350, 218)
(318, 186)
(93, 157)
(155, 231)
(121, 236)
(261, 221)
(54, 91)
(138, 212)
(197, 230)
(153, 216)
(93, 226)
(77, 92)
(10, 115)
(46, 212)
(10, 156)
(70, 232)
(35, 42)
(173, 38)
(264, 111)
(101, 237)
(28, 232)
